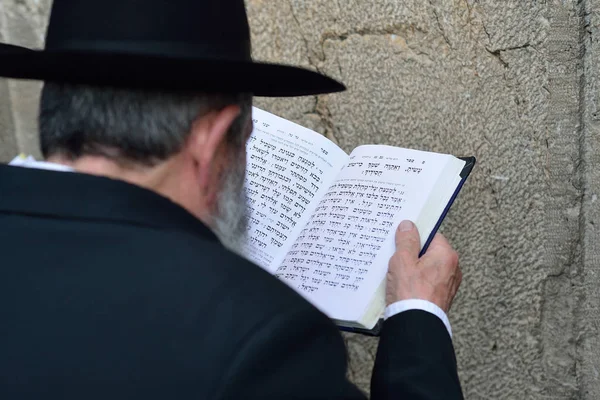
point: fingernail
(406, 226)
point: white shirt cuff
(417, 304)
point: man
(119, 276)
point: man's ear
(208, 139)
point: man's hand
(435, 277)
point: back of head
(126, 125)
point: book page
(342, 255)
(289, 168)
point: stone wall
(461, 77)
(22, 22)
(513, 82)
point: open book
(324, 221)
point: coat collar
(30, 162)
(65, 195)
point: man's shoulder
(232, 280)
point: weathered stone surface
(22, 22)
(588, 307)
(515, 83)
(8, 144)
(562, 289)
(465, 78)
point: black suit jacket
(110, 291)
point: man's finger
(408, 242)
(439, 241)
(440, 249)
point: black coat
(110, 291)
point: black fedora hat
(195, 45)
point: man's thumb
(408, 240)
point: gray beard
(231, 219)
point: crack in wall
(306, 46)
(321, 108)
(497, 53)
(318, 52)
(309, 57)
(399, 29)
(440, 25)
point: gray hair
(139, 126)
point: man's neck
(166, 179)
(147, 177)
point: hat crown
(170, 45)
(188, 28)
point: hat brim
(163, 73)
